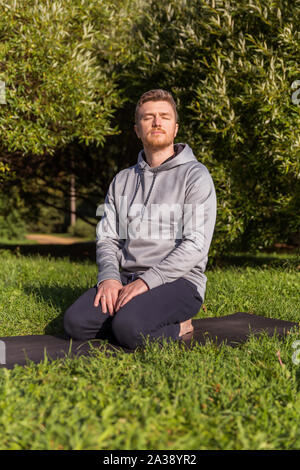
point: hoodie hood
(184, 155)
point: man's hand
(129, 291)
(107, 294)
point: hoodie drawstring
(136, 188)
(149, 192)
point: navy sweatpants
(156, 313)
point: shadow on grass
(261, 259)
(75, 251)
(60, 297)
(87, 251)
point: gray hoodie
(158, 222)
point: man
(162, 283)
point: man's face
(156, 126)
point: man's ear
(176, 129)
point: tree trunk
(72, 201)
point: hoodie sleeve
(198, 222)
(108, 243)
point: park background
(71, 75)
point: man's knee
(72, 324)
(128, 333)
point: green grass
(16, 241)
(173, 398)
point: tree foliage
(57, 59)
(230, 66)
(55, 89)
(76, 70)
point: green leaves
(56, 90)
(230, 66)
(74, 72)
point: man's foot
(186, 327)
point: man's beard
(158, 141)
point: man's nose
(157, 120)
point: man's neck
(157, 157)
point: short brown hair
(156, 95)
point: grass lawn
(16, 241)
(204, 398)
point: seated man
(157, 228)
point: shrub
(230, 66)
(12, 225)
(82, 229)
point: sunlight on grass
(171, 398)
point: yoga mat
(230, 329)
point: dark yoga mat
(230, 329)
